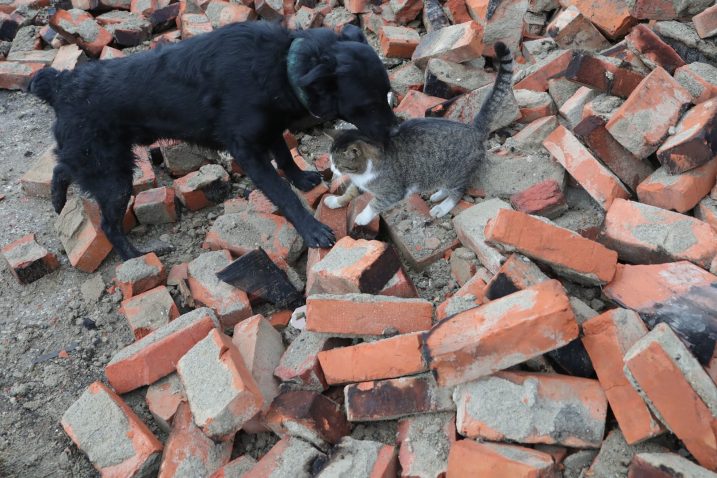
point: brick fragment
(666, 465)
(69, 56)
(148, 311)
(306, 18)
(156, 206)
(534, 105)
(154, 356)
(700, 79)
(574, 107)
(641, 234)
(396, 398)
(571, 29)
(188, 447)
(679, 192)
(568, 253)
(16, 75)
(596, 179)
(456, 43)
(517, 273)
(457, 11)
(653, 51)
(643, 121)
(222, 13)
(289, 457)
(543, 199)
(46, 57)
(414, 105)
(612, 17)
(181, 159)
(406, 10)
(220, 390)
(524, 408)
(78, 26)
(307, 415)
(269, 9)
(706, 211)
(230, 304)
(470, 225)
(505, 25)
(424, 442)
(363, 457)
(536, 77)
(668, 376)
(299, 366)
(140, 275)
(706, 22)
(469, 458)
(405, 78)
(607, 338)
(236, 468)
(598, 73)
(360, 315)
(37, 180)
(532, 136)
(447, 79)
(492, 337)
(354, 266)
(398, 42)
(208, 186)
(163, 399)
(193, 24)
(28, 261)
(694, 142)
(114, 438)
(144, 177)
(466, 107)
(78, 226)
(469, 296)
(463, 265)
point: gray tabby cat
(424, 155)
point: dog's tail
(501, 88)
(44, 84)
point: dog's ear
(352, 33)
(312, 73)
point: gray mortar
(339, 258)
(239, 467)
(206, 175)
(155, 313)
(135, 269)
(504, 175)
(576, 464)
(518, 454)
(686, 34)
(663, 177)
(705, 70)
(251, 231)
(163, 332)
(429, 444)
(24, 40)
(676, 466)
(673, 238)
(30, 251)
(70, 222)
(458, 304)
(517, 411)
(582, 311)
(615, 455)
(384, 432)
(562, 90)
(352, 459)
(531, 99)
(296, 460)
(467, 77)
(101, 428)
(367, 298)
(605, 105)
(306, 344)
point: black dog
(237, 88)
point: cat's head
(352, 152)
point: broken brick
(517, 273)
(456, 43)
(156, 206)
(78, 26)
(464, 265)
(360, 315)
(69, 56)
(336, 219)
(470, 226)
(78, 226)
(46, 57)
(534, 105)
(706, 22)
(144, 177)
(469, 458)
(220, 390)
(28, 261)
(679, 192)
(374, 458)
(306, 18)
(299, 366)
(396, 398)
(700, 79)
(414, 104)
(567, 252)
(502, 412)
(118, 444)
(447, 79)
(607, 338)
(286, 458)
(16, 75)
(140, 275)
(398, 42)
(469, 296)
(641, 234)
(181, 159)
(574, 107)
(467, 107)
(542, 199)
(424, 442)
(406, 10)
(148, 311)
(694, 142)
(706, 211)
(665, 465)
(400, 285)
(236, 468)
(163, 399)
(269, 9)
(222, 13)
(596, 179)
(193, 24)
(505, 25)
(653, 51)
(206, 187)
(598, 73)
(537, 76)
(531, 137)
(571, 29)
(356, 206)
(37, 181)
(612, 17)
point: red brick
(534, 105)
(369, 231)
(336, 219)
(679, 192)
(140, 275)
(37, 180)
(148, 311)
(464, 265)
(188, 447)
(706, 22)
(607, 338)
(565, 251)
(415, 104)
(299, 366)
(172, 36)
(504, 413)
(457, 11)
(69, 56)
(468, 458)
(596, 179)
(144, 7)
(16, 75)
(280, 320)
(497, 335)
(456, 43)
(144, 177)
(163, 399)
(692, 143)
(532, 135)
(700, 79)
(396, 398)
(398, 42)
(193, 24)
(447, 79)
(373, 21)
(665, 465)
(573, 109)
(118, 429)
(542, 199)
(538, 75)
(181, 159)
(156, 206)
(269, 9)
(82, 238)
(516, 273)
(46, 57)
(571, 29)
(469, 296)
(400, 285)
(470, 228)
(706, 211)
(360, 315)
(653, 9)
(467, 106)
(646, 234)
(238, 467)
(308, 415)
(600, 74)
(653, 51)
(177, 273)
(28, 261)
(374, 459)
(406, 10)
(230, 304)
(202, 188)
(505, 25)
(668, 377)
(610, 16)
(222, 13)
(643, 121)
(424, 442)
(285, 458)
(78, 26)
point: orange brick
(415, 104)
(156, 206)
(225, 13)
(610, 16)
(374, 458)
(193, 24)
(573, 109)
(706, 211)
(665, 465)
(668, 376)
(567, 252)
(505, 25)
(118, 429)
(238, 467)
(496, 408)
(699, 79)
(642, 123)
(497, 335)
(78, 26)
(468, 459)
(37, 180)
(28, 261)
(360, 315)
(353, 266)
(148, 311)
(156, 355)
(188, 447)
(571, 29)
(144, 177)
(398, 42)
(653, 9)
(469, 296)
(646, 234)
(285, 458)
(307, 414)
(400, 285)
(457, 11)
(464, 265)
(406, 10)
(470, 229)
(387, 358)
(679, 192)
(538, 75)
(542, 199)
(108, 53)
(692, 143)
(602, 75)
(424, 442)
(596, 179)
(457, 43)
(299, 366)
(202, 188)
(140, 275)
(706, 22)
(369, 231)
(78, 226)
(534, 105)
(607, 338)
(653, 51)
(163, 399)
(517, 273)
(336, 219)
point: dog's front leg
(304, 180)
(267, 179)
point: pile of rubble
(573, 340)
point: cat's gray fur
(424, 155)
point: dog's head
(343, 78)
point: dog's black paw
(304, 180)
(317, 235)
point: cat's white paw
(332, 202)
(439, 195)
(443, 208)
(365, 217)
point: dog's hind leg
(61, 180)
(304, 180)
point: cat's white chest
(362, 180)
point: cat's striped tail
(501, 88)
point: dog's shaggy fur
(225, 90)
